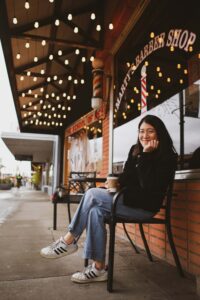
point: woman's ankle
(99, 265)
(69, 238)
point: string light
(22, 78)
(69, 77)
(185, 71)
(152, 34)
(57, 22)
(27, 5)
(76, 29)
(110, 26)
(158, 69)
(36, 24)
(91, 58)
(51, 1)
(59, 52)
(15, 21)
(27, 45)
(181, 81)
(60, 81)
(98, 27)
(51, 57)
(92, 16)
(69, 17)
(43, 43)
(168, 79)
(146, 63)
(82, 81)
(178, 66)
(77, 51)
(83, 59)
(35, 59)
(42, 71)
(18, 56)
(66, 61)
(171, 48)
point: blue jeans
(94, 207)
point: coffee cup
(112, 183)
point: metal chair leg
(54, 216)
(69, 212)
(111, 256)
(173, 248)
(130, 240)
(145, 242)
(85, 262)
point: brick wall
(185, 218)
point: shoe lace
(88, 269)
(56, 243)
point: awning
(31, 147)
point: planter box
(5, 186)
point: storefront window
(85, 153)
(158, 72)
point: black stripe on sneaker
(94, 275)
(60, 250)
(63, 249)
(55, 250)
(87, 275)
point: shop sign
(86, 120)
(177, 38)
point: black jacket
(147, 177)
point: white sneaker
(90, 274)
(58, 249)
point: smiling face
(147, 133)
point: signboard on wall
(86, 120)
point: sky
(8, 123)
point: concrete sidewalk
(24, 275)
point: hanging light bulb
(66, 61)
(152, 34)
(22, 78)
(74, 97)
(60, 81)
(75, 81)
(98, 27)
(15, 20)
(27, 5)
(91, 58)
(59, 52)
(42, 71)
(92, 16)
(18, 56)
(77, 51)
(68, 97)
(51, 56)
(69, 17)
(69, 77)
(64, 94)
(35, 79)
(43, 43)
(36, 24)
(82, 81)
(110, 26)
(57, 22)
(35, 59)
(76, 29)
(51, 1)
(83, 59)
(27, 45)
(28, 73)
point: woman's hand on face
(151, 146)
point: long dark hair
(165, 142)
